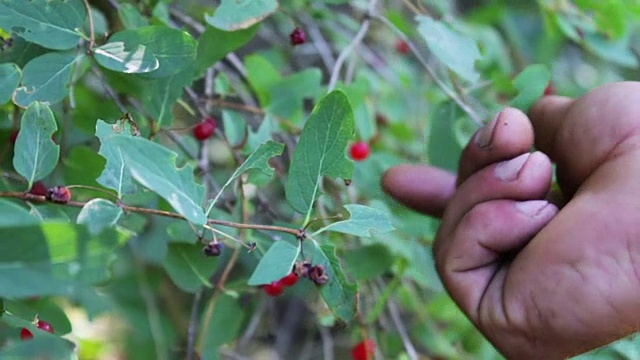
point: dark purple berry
(213, 249)
(58, 194)
(297, 36)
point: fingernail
(531, 208)
(509, 170)
(485, 135)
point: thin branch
(402, 330)
(327, 343)
(92, 35)
(345, 52)
(41, 199)
(320, 43)
(431, 71)
(193, 323)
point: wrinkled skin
(538, 281)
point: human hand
(537, 281)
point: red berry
(402, 47)
(58, 194)
(273, 289)
(549, 90)
(38, 189)
(297, 36)
(204, 129)
(43, 325)
(25, 334)
(363, 350)
(359, 151)
(13, 136)
(289, 280)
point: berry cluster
(315, 273)
(25, 334)
(58, 194)
(277, 287)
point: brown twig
(41, 199)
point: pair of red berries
(277, 287)
(204, 129)
(25, 334)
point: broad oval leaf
(45, 78)
(214, 44)
(35, 154)
(364, 221)
(115, 175)
(320, 151)
(277, 262)
(160, 95)
(530, 83)
(117, 56)
(62, 257)
(189, 269)
(339, 295)
(52, 24)
(99, 214)
(454, 50)
(234, 15)
(154, 167)
(10, 75)
(173, 49)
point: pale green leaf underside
(276, 263)
(455, 51)
(117, 57)
(14, 215)
(530, 83)
(115, 175)
(35, 154)
(234, 15)
(10, 76)
(320, 151)
(98, 214)
(45, 78)
(51, 24)
(364, 221)
(153, 166)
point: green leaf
(364, 221)
(10, 75)
(286, 96)
(530, 83)
(442, 147)
(617, 51)
(189, 269)
(214, 44)
(261, 75)
(367, 262)
(45, 78)
(99, 214)
(154, 166)
(276, 263)
(14, 215)
(131, 17)
(35, 154)
(339, 295)
(52, 24)
(161, 95)
(115, 175)
(221, 324)
(174, 50)
(43, 346)
(61, 258)
(235, 127)
(234, 15)
(454, 50)
(117, 56)
(257, 161)
(320, 151)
